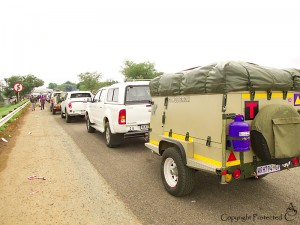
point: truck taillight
(70, 105)
(122, 116)
(296, 161)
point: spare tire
(259, 145)
(264, 138)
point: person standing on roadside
(42, 101)
(32, 101)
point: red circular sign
(18, 87)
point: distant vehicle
(120, 111)
(55, 100)
(74, 104)
(48, 97)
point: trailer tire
(178, 179)
(259, 145)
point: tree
(107, 83)
(52, 85)
(67, 86)
(29, 82)
(8, 90)
(89, 81)
(143, 70)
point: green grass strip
(4, 110)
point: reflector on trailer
(228, 178)
(231, 157)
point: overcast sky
(56, 40)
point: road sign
(18, 87)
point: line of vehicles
(120, 111)
(236, 120)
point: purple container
(239, 130)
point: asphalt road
(133, 172)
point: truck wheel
(62, 114)
(112, 140)
(53, 111)
(178, 179)
(68, 118)
(89, 128)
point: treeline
(89, 81)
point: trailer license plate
(267, 169)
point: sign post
(18, 87)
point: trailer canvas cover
(224, 77)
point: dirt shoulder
(72, 192)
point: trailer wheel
(178, 179)
(89, 128)
(112, 140)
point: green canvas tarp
(224, 77)
(280, 126)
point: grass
(4, 126)
(4, 110)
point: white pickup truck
(120, 111)
(74, 104)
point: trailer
(234, 119)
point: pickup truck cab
(120, 111)
(74, 104)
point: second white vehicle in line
(74, 104)
(120, 111)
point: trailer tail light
(236, 173)
(296, 161)
(224, 172)
(122, 116)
